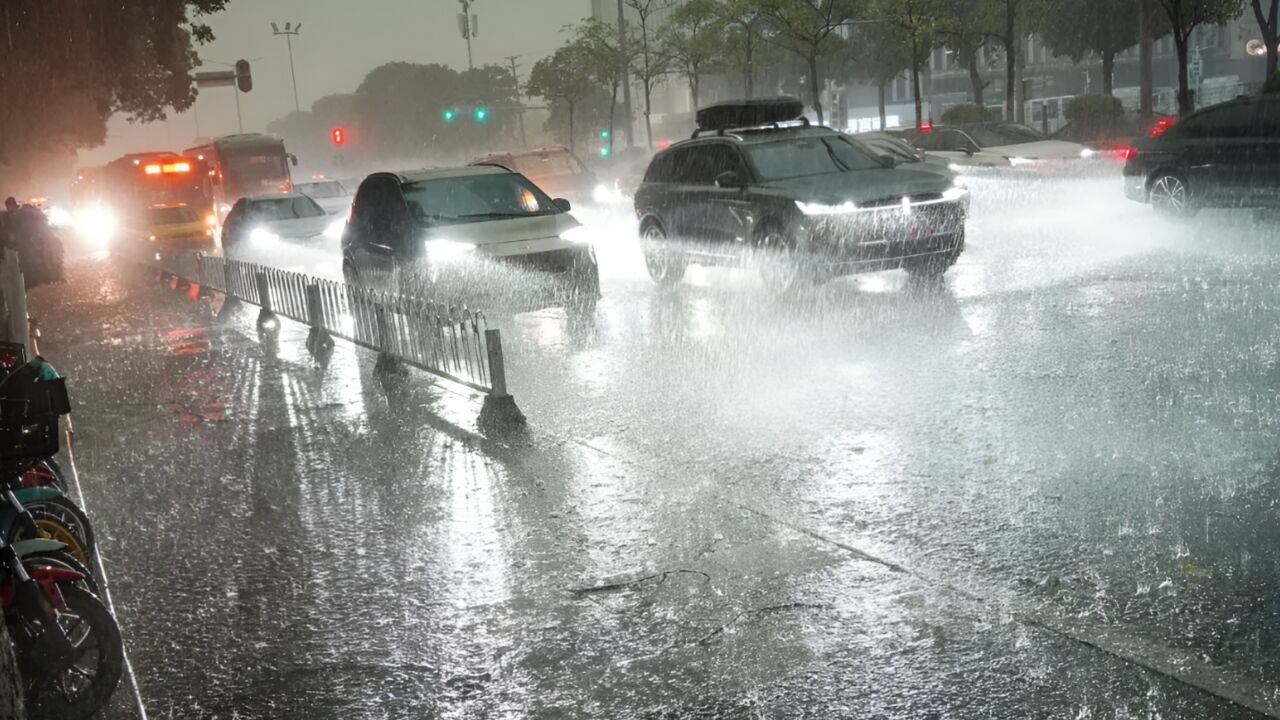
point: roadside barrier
(452, 342)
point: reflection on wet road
(1045, 488)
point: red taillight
(1127, 153)
(1161, 125)
(663, 143)
(926, 126)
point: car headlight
(445, 251)
(954, 193)
(578, 234)
(843, 208)
(97, 224)
(262, 236)
(1086, 153)
(335, 229)
(59, 217)
(1021, 161)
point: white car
(331, 195)
(480, 233)
(266, 223)
(995, 145)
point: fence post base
(500, 414)
(230, 306)
(268, 324)
(387, 365)
(320, 345)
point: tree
(692, 40)
(918, 21)
(400, 110)
(1014, 14)
(1267, 23)
(564, 77)
(607, 59)
(1076, 28)
(651, 64)
(67, 71)
(880, 53)
(1184, 17)
(742, 43)
(808, 29)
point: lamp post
(469, 25)
(289, 31)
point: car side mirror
(888, 161)
(729, 180)
(968, 151)
(293, 159)
(564, 205)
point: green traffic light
(604, 133)
(449, 115)
(481, 115)
(606, 151)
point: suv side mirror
(293, 159)
(968, 151)
(563, 204)
(888, 161)
(729, 180)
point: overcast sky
(340, 42)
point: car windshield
(476, 198)
(283, 208)
(807, 156)
(900, 152)
(538, 165)
(323, 190)
(172, 215)
(1004, 134)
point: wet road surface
(1045, 488)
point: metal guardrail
(449, 341)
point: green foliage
(1272, 85)
(808, 30)
(64, 73)
(1093, 109)
(564, 80)
(965, 114)
(693, 40)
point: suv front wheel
(666, 265)
(1171, 197)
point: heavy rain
(640, 359)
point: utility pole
(1144, 60)
(626, 79)
(515, 77)
(468, 24)
(289, 31)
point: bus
(237, 166)
(113, 198)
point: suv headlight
(843, 208)
(955, 193)
(446, 251)
(262, 236)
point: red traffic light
(338, 135)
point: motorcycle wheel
(86, 686)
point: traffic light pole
(515, 77)
(239, 120)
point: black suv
(756, 186)
(1224, 156)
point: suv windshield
(806, 156)
(476, 198)
(537, 165)
(284, 208)
(1006, 134)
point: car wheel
(1171, 197)
(784, 268)
(665, 264)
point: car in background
(995, 144)
(1223, 156)
(177, 226)
(902, 152)
(555, 170)
(263, 222)
(758, 186)
(332, 195)
(1113, 137)
(480, 233)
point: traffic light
(604, 133)
(481, 114)
(244, 78)
(449, 115)
(338, 135)
(606, 151)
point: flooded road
(1044, 488)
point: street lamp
(468, 24)
(288, 32)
